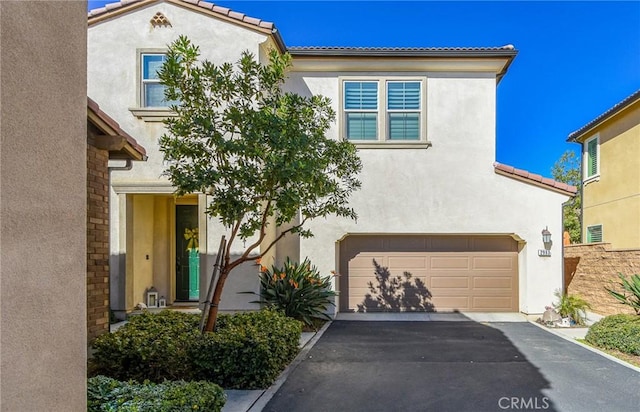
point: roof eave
(620, 107)
(534, 179)
(400, 52)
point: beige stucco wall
(613, 198)
(43, 333)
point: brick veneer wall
(97, 242)
(591, 267)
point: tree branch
(244, 256)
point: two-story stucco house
(611, 175)
(433, 201)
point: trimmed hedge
(621, 332)
(106, 395)
(150, 346)
(247, 350)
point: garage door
(428, 273)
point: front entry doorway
(187, 253)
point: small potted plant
(572, 309)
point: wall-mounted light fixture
(546, 240)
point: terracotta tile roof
(507, 50)
(628, 101)
(205, 5)
(94, 108)
(403, 51)
(534, 179)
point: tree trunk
(215, 301)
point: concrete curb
(590, 348)
(266, 396)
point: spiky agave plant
(631, 291)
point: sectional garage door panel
(467, 281)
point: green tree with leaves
(259, 153)
(567, 170)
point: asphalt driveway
(453, 366)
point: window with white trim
(383, 110)
(592, 157)
(594, 234)
(151, 90)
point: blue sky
(576, 59)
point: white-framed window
(361, 110)
(403, 110)
(383, 111)
(151, 90)
(594, 234)
(591, 157)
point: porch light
(152, 298)
(546, 236)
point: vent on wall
(160, 20)
(594, 234)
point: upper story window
(592, 157)
(403, 110)
(384, 112)
(151, 105)
(361, 110)
(151, 88)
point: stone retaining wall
(589, 268)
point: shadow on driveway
(433, 366)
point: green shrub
(298, 290)
(106, 395)
(247, 350)
(150, 346)
(621, 332)
(572, 306)
(630, 292)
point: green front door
(187, 253)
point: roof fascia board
(490, 65)
(100, 123)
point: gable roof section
(506, 53)
(535, 179)
(118, 142)
(619, 107)
(114, 9)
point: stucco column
(43, 128)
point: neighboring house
(610, 206)
(611, 175)
(433, 201)
(105, 141)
